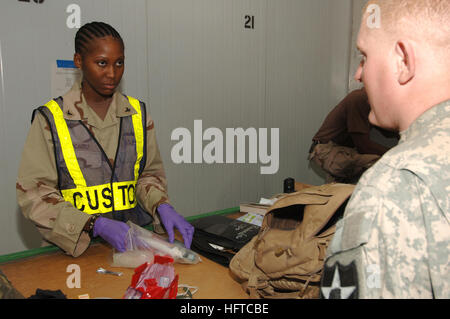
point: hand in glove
(113, 231)
(170, 219)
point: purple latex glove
(170, 219)
(113, 231)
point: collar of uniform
(426, 121)
(74, 103)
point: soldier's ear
(406, 61)
(77, 60)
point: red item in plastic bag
(154, 281)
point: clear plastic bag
(143, 244)
(132, 258)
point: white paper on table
(265, 201)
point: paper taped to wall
(64, 75)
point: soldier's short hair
(427, 20)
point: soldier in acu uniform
(394, 238)
(91, 160)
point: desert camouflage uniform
(37, 184)
(342, 164)
(334, 148)
(394, 239)
(7, 290)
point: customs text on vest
(86, 177)
(286, 258)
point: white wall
(286, 73)
(189, 60)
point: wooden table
(49, 271)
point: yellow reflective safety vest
(86, 177)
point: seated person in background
(342, 147)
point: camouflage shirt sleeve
(385, 224)
(151, 186)
(38, 195)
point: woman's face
(103, 64)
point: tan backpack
(285, 259)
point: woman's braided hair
(93, 30)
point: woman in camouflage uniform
(91, 160)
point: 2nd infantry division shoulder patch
(339, 282)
